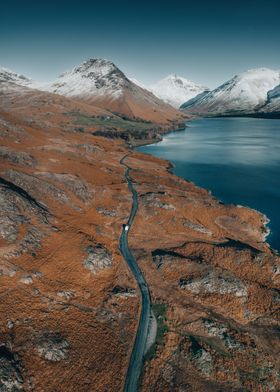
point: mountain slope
(13, 82)
(272, 105)
(21, 92)
(101, 83)
(138, 83)
(7, 75)
(176, 90)
(241, 95)
(193, 100)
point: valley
(71, 306)
(139, 196)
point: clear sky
(205, 41)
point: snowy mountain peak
(261, 77)
(7, 75)
(242, 94)
(176, 90)
(90, 77)
(174, 77)
(92, 68)
(256, 72)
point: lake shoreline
(267, 230)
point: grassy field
(111, 122)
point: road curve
(137, 354)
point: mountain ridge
(244, 94)
(6, 75)
(99, 82)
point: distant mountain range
(254, 92)
(100, 83)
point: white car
(126, 227)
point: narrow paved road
(137, 354)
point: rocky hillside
(214, 286)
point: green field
(111, 122)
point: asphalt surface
(137, 354)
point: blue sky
(206, 41)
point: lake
(238, 159)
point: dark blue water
(238, 159)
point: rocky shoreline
(223, 294)
(266, 220)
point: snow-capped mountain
(12, 77)
(101, 83)
(176, 90)
(92, 77)
(243, 94)
(12, 82)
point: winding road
(138, 351)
